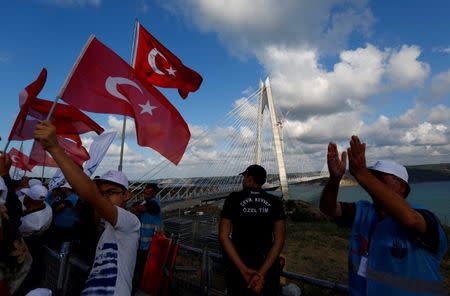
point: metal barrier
(64, 274)
(197, 272)
(201, 272)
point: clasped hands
(254, 280)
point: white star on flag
(171, 71)
(147, 108)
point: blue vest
(397, 265)
(148, 225)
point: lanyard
(373, 224)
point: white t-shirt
(115, 258)
(36, 222)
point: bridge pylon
(266, 100)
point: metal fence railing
(201, 272)
(198, 271)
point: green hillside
(417, 174)
(429, 172)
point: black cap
(258, 173)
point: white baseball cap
(36, 192)
(33, 182)
(115, 177)
(392, 168)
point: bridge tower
(266, 100)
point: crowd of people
(88, 213)
(395, 247)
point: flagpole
(69, 76)
(122, 144)
(15, 167)
(6, 147)
(43, 166)
(15, 171)
(52, 109)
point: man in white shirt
(115, 257)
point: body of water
(434, 196)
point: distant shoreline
(417, 174)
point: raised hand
(356, 156)
(45, 133)
(5, 164)
(336, 166)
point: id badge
(362, 270)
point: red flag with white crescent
(159, 66)
(38, 156)
(26, 97)
(103, 82)
(68, 120)
(20, 160)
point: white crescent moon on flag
(14, 158)
(151, 60)
(111, 86)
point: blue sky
(380, 69)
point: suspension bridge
(252, 132)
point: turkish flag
(68, 120)
(160, 67)
(20, 160)
(153, 270)
(26, 97)
(38, 156)
(103, 82)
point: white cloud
(411, 117)
(426, 134)
(200, 137)
(305, 88)
(323, 129)
(321, 100)
(116, 124)
(404, 69)
(440, 114)
(442, 49)
(381, 132)
(440, 84)
(246, 26)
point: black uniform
(253, 215)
